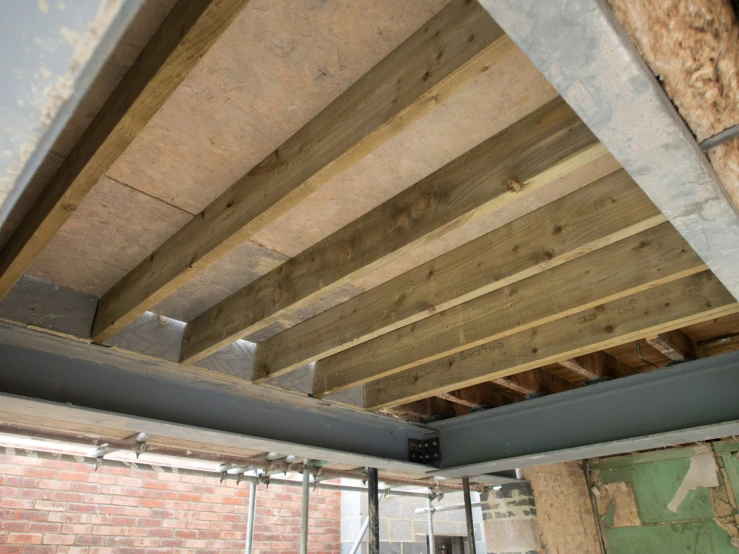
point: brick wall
(61, 507)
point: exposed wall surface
(677, 500)
(402, 530)
(60, 507)
(551, 514)
(692, 46)
(564, 509)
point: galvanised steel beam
(586, 55)
(689, 402)
(74, 384)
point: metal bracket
(424, 450)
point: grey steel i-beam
(583, 51)
(689, 402)
(79, 383)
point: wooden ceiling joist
(534, 383)
(656, 256)
(683, 302)
(184, 37)
(444, 55)
(536, 150)
(675, 345)
(604, 212)
(598, 365)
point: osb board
(693, 48)
(141, 29)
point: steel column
(250, 520)
(468, 515)
(693, 401)
(373, 510)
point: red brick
(43, 527)
(24, 538)
(65, 496)
(42, 472)
(11, 549)
(51, 538)
(73, 476)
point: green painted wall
(642, 487)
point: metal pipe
(250, 520)
(468, 515)
(362, 531)
(373, 510)
(273, 466)
(305, 497)
(432, 546)
(449, 507)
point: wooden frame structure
(593, 284)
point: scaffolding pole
(432, 547)
(304, 511)
(250, 520)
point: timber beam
(675, 345)
(471, 330)
(184, 37)
(658, 309)
(536, 150)
(596, 366)
(455, 46)
(611, 209)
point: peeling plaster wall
(692, 46)
(678, 500)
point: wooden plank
(458, 399)
(604, 212)
(653, 257)
(659, 309)
(536, 150)
(675, 345)
(719, 345)
(184, 37)
(441, 57)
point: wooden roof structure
(384, 198)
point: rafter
(445, 54)
(182, 40)
(656, 256)
(659, 309)
(604, 212)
